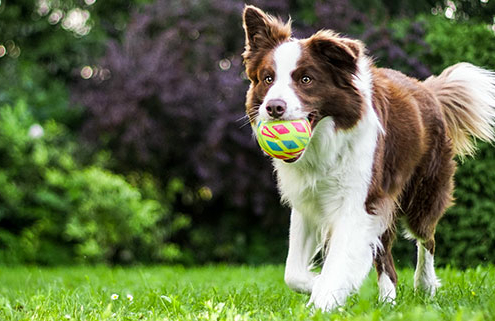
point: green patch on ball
(284, 139)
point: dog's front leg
(302, 246)
(348, 259)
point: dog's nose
(276, 108)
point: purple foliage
(173, 100)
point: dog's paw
(300, 282)
(326, 297)
(387, 289)
(428, 286)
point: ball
(284, 139)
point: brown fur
(258, 89)
(331, 62)
(263, 33)
(384, 262)
(413, 161)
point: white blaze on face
(285, 58)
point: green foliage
(225, 293)
(41, 56)
(45, 51)
(46, 96)
(455, 41)
(53, 210)
(381, 10)
(466, 235)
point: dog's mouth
(292, 160)
(313, 119)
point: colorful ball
(284, 139)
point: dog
(382, 149)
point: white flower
(166, 298)
(130, 297)
(67, 316)
(36, 131)
(114, 296)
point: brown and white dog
(382, 149)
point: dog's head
(293, 79)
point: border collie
(382, 149)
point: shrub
(452, 42)
(44, 49)
(53, 210)
(466, 235)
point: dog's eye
(268, 80)
(305, 80)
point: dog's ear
(341, 52)
(263, 31)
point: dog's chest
(322, 194)
(333, 177)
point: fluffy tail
(467, 95)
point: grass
(224, 293)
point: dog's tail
(467, 96)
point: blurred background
(122, 137)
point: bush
(452, 42)
(466, 235)
(45, 49)
(53, 210)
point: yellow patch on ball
(284, 139)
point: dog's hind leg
(427, 197)
(385, 268)
(302, 248)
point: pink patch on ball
(299, 127)
(281, 129)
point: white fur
(328, 186)
(302, 248)
(467, 94)
(285, 57)
(386, 288)
(424, 276)
(481, 84)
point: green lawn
(223, 293)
